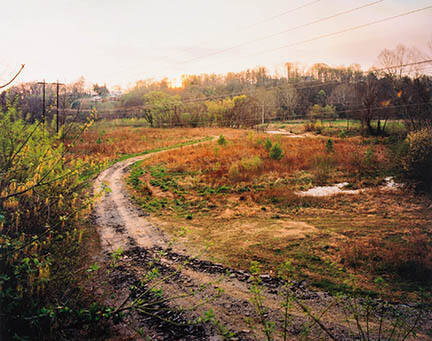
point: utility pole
(63, 115)
(43, 101)
(58, 104)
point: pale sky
(118, 42)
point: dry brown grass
(256, 218)
(407, 254)
(111, 143)
(218, 163)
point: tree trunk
(384, 126)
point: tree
(244, 111)
(342, 98)
(159, 108)
(315, 112)
(221, 112)
(403, 90)
(415, 99)
(319, 112)
(293, 70)
(191, 114)
(267, 101)
(101, 90)
(321, 98)
(367, 94)
(27, 97)
(287, 100)
(394, 61)
(375, 96)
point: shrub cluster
(221, 140)
(276, 152)
(41, 206)
(417, 161)
(247, 165)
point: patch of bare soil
(226, 291)
(288, 134)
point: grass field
(235, 204)
(110, 140)
(339, 127)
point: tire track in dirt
(122, 224)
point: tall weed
(323, 168)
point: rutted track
(121, 224)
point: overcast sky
(118, 42)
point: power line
(353, 28)
(256, 120)
(13, 78)
(327, 35)
(336, 33)
(297, 86)
(320, 84)
(270, 18)
(316, 21)
(251, 25)
(283, 13)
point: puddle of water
(285, 133)
(390, 184)
(323, 191)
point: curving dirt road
(122, 224)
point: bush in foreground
(42, 204)
(417, 162)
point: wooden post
(43, 101)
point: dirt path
(122, 224)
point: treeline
(398, 89)
(28, 98)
